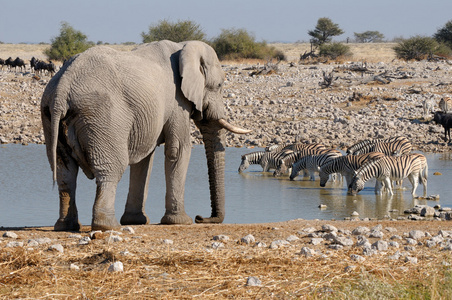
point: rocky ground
(299, 258)
(285, 102)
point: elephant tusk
(226, 125)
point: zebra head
(356, 186)
(244, 164)
(323, 177)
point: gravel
(288, 105)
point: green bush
(416, 48)
(444, 34)
(334, 50)
(67, 44)
(236, 44)
(176, 32)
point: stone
(10, 234)
(380, 245)
(416, 234)
(358, 258)
(84, 240)
(292, 238)
(253, 281)
(427, 211)
(343, 241)
(217, 245)
(278, 243)
(117, 266)
(316, 241)
(329, 228)
(221, 237)
(361, 230)
(248, 239)
(411, 260)
(307, 252)
(57, 248)
(128, 229)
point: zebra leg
(388, 184)
(414, 182)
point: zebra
(253, 158)
(271, 160)
(313, 163)
(285, 162)
(427, 106)
(391, 146)
(346, 166)
(414, 166)
(294, 147)
(445, 104)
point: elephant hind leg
(67, 183)
(104, 207)
(134, 213)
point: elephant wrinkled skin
(107, 109)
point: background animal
(445, 119)
(445, 104)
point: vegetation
(67, 44)
(176, 32)
(369, 37)
(418, 48)
(238, 44)
(444, 34)
(334, 50)
(324, 31)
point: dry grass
(191, 268)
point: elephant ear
(192, 70)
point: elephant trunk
(214, 143)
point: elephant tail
(55, 124)
(57, 113)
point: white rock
(128, 229)
(57, 247)
(248, 239)
(10, 234)
(253, 281)
(116, 267)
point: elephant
(106, 109)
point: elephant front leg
(177, 157)
(67, 183)
(104, 207)
(134, 213)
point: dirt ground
(182, 262)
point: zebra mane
(253, 157)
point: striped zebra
(271, 160)
(253, 158)
(285, 162)
(313, 163)
(445, 104)
(346, 166)
(294, 147)
(391, 146)
(389, 168)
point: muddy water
(28, 198)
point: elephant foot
(104, 223)
(172, 219)
(67, 225)
(199, 219)
(134, 219)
